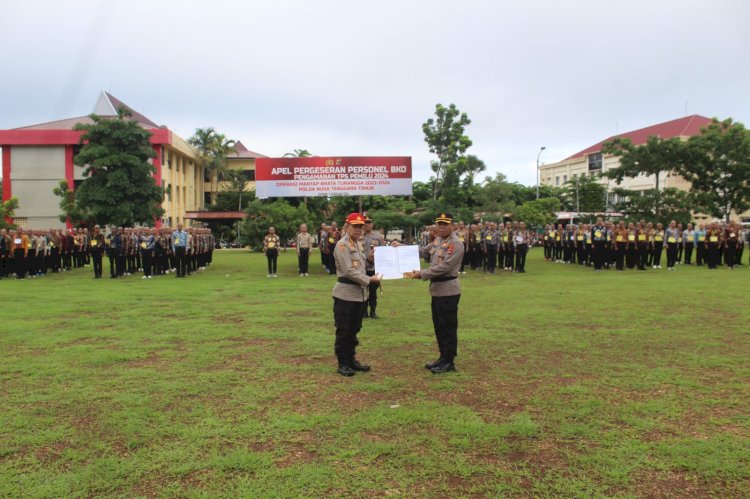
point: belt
(442, 279)
(344, 280)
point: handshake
(414, 274)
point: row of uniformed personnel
(491, 245)
(641, 244)
(154, 251)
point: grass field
(570, 384)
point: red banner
(333, 176)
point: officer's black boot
(344, 367)
(372, 313)
(356, 366)
(435, 363)
(445, 367)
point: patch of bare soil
(670, 484)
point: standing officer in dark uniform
(179, 247)
(119, 245)
(446, 252)
(4, 253)
(147, 247)
(600, 240)
(97, 248)
(372, 239)
(304, 246)
(349, 294)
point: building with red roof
(591, 160)
(36, 158)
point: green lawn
(570, 384)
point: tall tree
(473, 167)
(118, 187)
(213, 149)
(717, 165)
(7, 209)
(298, 153)
(445, 137)
(538, 212)
(635, 205)
(495, 195)
(584, 193)
(68, 206)
(279, 214)
(655, 157)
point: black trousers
(20, 263)
(31, 263)
(713, 255)
(509, 255)
(303, 260)
(67, 260)
(671, 254)
(642, 255)
(146, 262)
(330, 262)
(700, 253)
(272, 256)
(54, 262)
(476, 256)
(581, 250)
(347, 316)
(547, 251)
(491, 257)
(656, 252)
(599, 254)
(688, 253)
(112, 266)
(120, 265)
(96, 256)
(521, 251)
(181, 261)
(631, 256)
(620, 257)
(445, 323)
(372, 300)
(558, 251)
(740, 251)
(730, 252)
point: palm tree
(213, 149)
(298, 153)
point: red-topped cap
(355, 219)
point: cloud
(351, 78)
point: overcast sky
(360, 78)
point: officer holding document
(445, 252)
(349, 294)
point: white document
(392, 262)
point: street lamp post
(537, 170)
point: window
(249, 175)
(595, 161)
(206, 175)
(207, 198)
(77, 184)
(557, 180)
(565, 178)
(22, 222)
